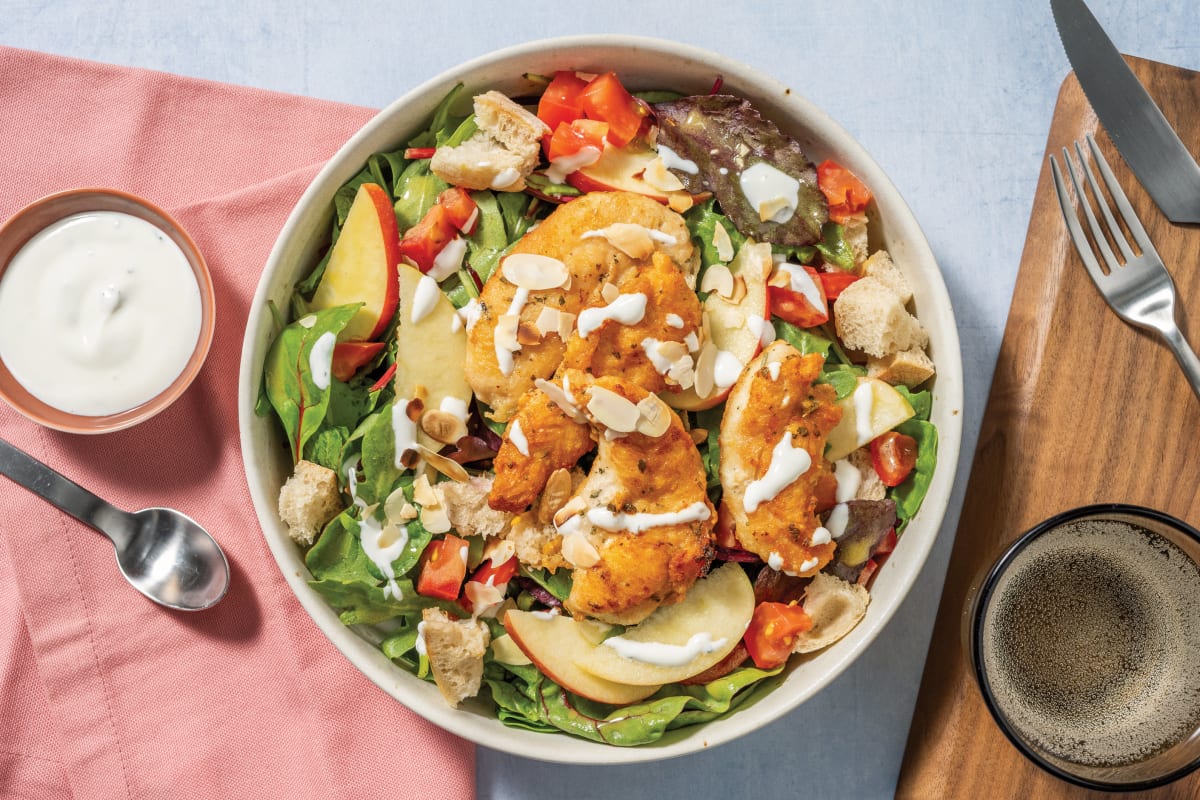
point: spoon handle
(64, 493)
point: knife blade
(1136, 125)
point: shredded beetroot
(717, 84)
(541, 595)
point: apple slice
(432, 350)
(621, 169)
(715, 612)
(734, 328)
(884, 407)
(362, 265)
(555, 643)
(348, 357)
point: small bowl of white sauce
(106, 311)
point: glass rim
(983, 596)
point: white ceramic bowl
(642, 63)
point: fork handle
(1184, 355)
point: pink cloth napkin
(104, 694)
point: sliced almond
(609, 292)
(555, 495)
(780, 278)
(699, 435)
(435, 519)
(706, 364)
(576, 505)
(534, 272)
(499, 550)
(392, 532)
(579, 552)
(739, 290)
(612, 410)
(654, 418)
(661, 178)
(566, 324)
(546, 322)
(528, 335)
(506, 332)
(420, 392)
(414, 409)
(442, 426)
(692, 340)
(448, 467)
(722, 242)
(397, 507)
(682, 373)
(630, 238)
(671, 350)
(423, 491)
(484, 598)
(559, 398)
(717, 278)
(680, 202)
(769, 208)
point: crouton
(909, 367)
(835, 607)
(870, 487)
(536, 544)
(854, 230)
(468, 509)
(881, 267)
(499, 155)
(455, 649)
(870, 317)
(308, 500)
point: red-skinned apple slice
(554, 644)
(620, 169)
(730, 324)
(362, 265)
(348, 357)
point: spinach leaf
(296, 398)
(910, 494)
(702, 222)
(842, 377)
(921, 402)
(557, 583)
(802, 339)
(441, 123)
(489, 239)
(365, 604)
(710, 454)
(417, 190)
(380, 473)
(325, 447)
(834, 248)
(337, 555)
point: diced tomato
(605, 99)
(560, 101)
(498, 576)
(893, 455)
(793, 306)
(387, 375)
(348, 357)
(834, 283)
(772, 632)
(846, 194)
(571, 137)
(422, 242)
(867, 572)
(442, 568)
(460, 208)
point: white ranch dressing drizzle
(455, 406)
(504, 356)
(773, 370)
(448, 261)
(627, 309)
(517, 437)
(643, 520)
(864, 404)
(662, 654)
(839, 517)
(848, 480)
(672, 160)
(420, 643)
(675, 321)
(471, 312)
(763, 185)
(320, 360)
(371, 535)
(726, 369)
(563, 166)
(99, 312)
(764, 329)
(661, 363)
(424, 299)
(787, 464)
(802, 283)
(505, 178)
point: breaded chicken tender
(772, 458)
(569, 234)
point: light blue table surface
(953, 99)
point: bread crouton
(308, 500)
(881, 267)
(536, 544)
(870, 487)
(870, 317)
(909, 367)
(455, 649)
(835, 607)
(499, 155)
(468, 509)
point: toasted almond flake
(699, 435)
(654, 418)
(671, 350)
(407, 512)
(739, 290)
(682, 373)
(555, 495)
(706, 363)
(435, 519)
(442, 426)
(408, 459)
(448, 467)
(575, 506)
(780, 278)
(566, 324)
(528, 335)
(559, 398)
(769, 208)
(506, 332)
(534, 272)
(485, 598)
(579, 552)
(423, 491)
(394, 506)
(547, 321)
(630, 238)
(680, 202)
(498, 550)
(717, 278)
(722, 242)
(658, 176)
(609, 292)
(414, 409)
(612, 410)
(692, 340)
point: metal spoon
(163, 553)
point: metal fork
(1136, 286)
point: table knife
(1137, 127)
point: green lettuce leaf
(702, 221)
(834, 248)
(802, 339)
(557, 583)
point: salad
(601, 406)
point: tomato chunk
(772, 632)
(348, 357)
(834, 283)
(560, 102)
(497, 574)
(569, 138)
(605, 99)
(422, 242)
(795, 306)
(894, 456)
(846, 194)
(442, 568)
(461, 210)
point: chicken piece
(772, 458)
(642, 515)
(651, 353)
(549, 437)
(591, 261)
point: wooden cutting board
(1083, 409)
